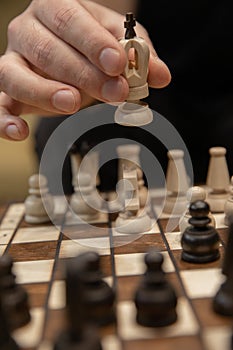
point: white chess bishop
(39, 205)
(218, 179)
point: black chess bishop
(200, 241)
(155, 298)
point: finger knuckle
(42, 53)
(82, 78)
(4, 69)
(12, 28)
(63, 18)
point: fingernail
(63, 100)
(13, 132)
(109, 60)
(112, 90)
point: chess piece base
(195, 259)
(132, 114)
(36, 220)
(133, 224)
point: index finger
(74, 24)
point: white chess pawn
(177, 183)
(39, 205)
(228, 207)
(194, 193)
(84, 201)
(218, 179)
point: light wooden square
(33, 271)
(202, 283)
(36, 234)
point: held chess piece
(218, 179)
(200, 241)
(132, 220)
(155, 298)
(80, 334)
(194, 193)
(13, 296)
(176, 182)
(228, 207)
(85, 201)
(39, 205)
(223, 300)
(135, 112)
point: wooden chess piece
(80, 333)
(200, 241)
(39, 205)
(223, 300)
(14, 297)
(99, 297)
(6, 341)
(218, 179)
(155, 298)
(134, 112)
(228, 207)
(85, 201)
(194, 193)
(176, 183)
(143, 192)
(132, 219)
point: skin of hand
(61, 56)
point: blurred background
(17, 159)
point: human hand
(59, 55)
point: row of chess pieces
(133, 197)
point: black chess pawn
(223, 300)
(155, 298)
(200, 241)
(14, 297)
(80, 333)
(6, 341)
(99, 299)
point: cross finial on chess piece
(129, 24)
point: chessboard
(40, 251)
